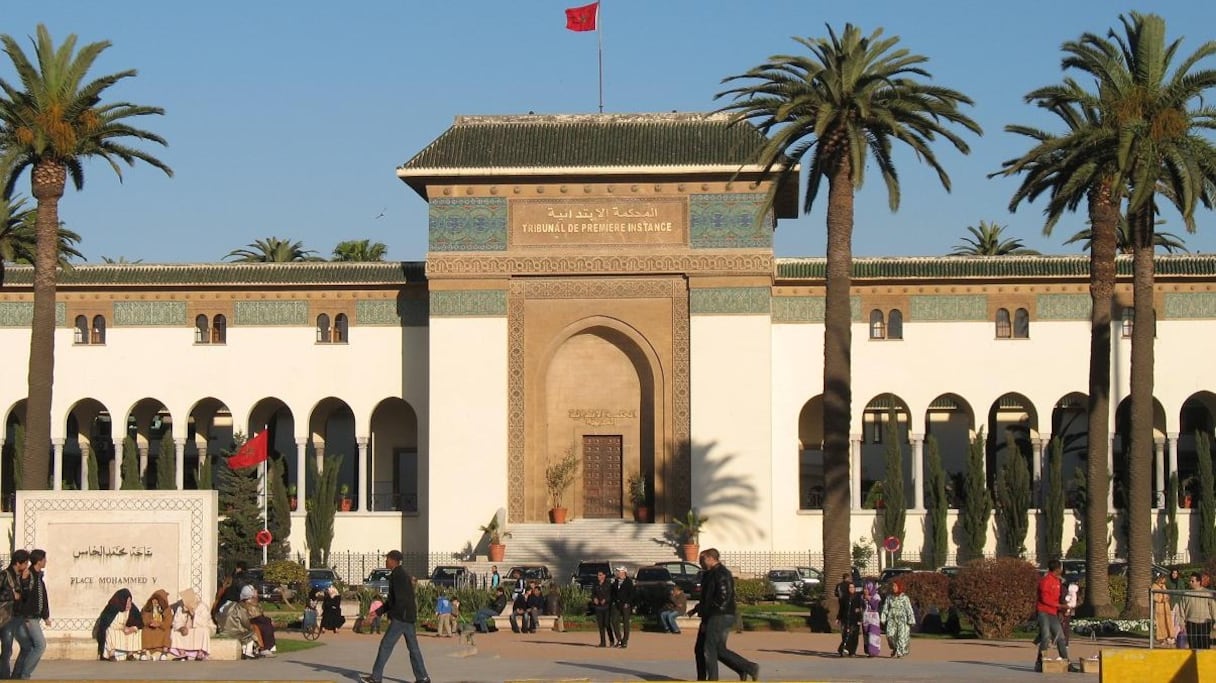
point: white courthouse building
(599, 284)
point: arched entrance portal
(601, 400)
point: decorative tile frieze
(21, 314)
(808, 309)
(948, 307)
(728, 221)
(451, 265)
(1062, 306)
(1190, 305)
(271, 313)
(150, 313)
(468, 303)
(392, 312)
(468, 224)
(730, 301)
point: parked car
(585, 575)
(320, 579)
(950, 570)
(448, 575)
(781, 583)
(686, 575)
(530, 572)
(809, 576)
(892, 573)
(266, 590)
(378, 580)
(651, 586)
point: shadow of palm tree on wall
(724, 492)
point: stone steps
(562, 546)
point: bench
(543, 623)
(84, 649)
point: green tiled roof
(989, 267)
(324, 273)
(590, 141)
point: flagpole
(599, 40)
(265, 504)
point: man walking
(402, 611)
(33, 610)
(717, 610)
(622, 606)
(1047, 608)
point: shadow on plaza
(620, 671)
(1008, 666)
(341, 672)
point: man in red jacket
(1047, 607)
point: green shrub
(808, 593)
(750, 591)
(927, 589)
(1118, 592)
(996, 594)
(287, 573)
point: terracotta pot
(691, 551)
(641, 513)
(497, 552)
(558, 515)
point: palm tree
(360, 250)
(1157, 117)
(273, 250)
(50, 127)
(845, 103)
(987, 240)
(18, 241)
(120, 260)
(1166, 241)
(1074, 167)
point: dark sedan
(651, 586)
(686, 575)
(449, 576)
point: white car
(781, 583)
(809, 576)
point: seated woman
(119, 629)
(158, 620)
(331, 610)
(246, 622)
(191, 636)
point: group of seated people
(530, 603)
(245, 621)
(159, 631)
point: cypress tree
(977, 502)
(278, 520)
(1013, 497)
(166, 464)
(1207, 498)
(131, 480)
(895, 508)
(241, 509)
(1053, 504)
(935, 480)
(321, 508)
(1171, 518)
(206, 472)
(18, 456)
(94, 477)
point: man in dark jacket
(622, 606)
(34, 609)
(483, 620)
(717, 610)
(601, 597)
(402, 610)
(519, 612)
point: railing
(1198, 634)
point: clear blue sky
(289, 118)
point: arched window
(1129, 322)
(323, 331)
(1003, 328)
(878, 329)
(202, 334)
(98, 335)
(219, 329)
(341, 329)
(1021, 324)
(82, 330)
(895, 324)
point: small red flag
(582, 18)
(252, 453)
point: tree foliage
(278, 514)
(166, 463)
(987, 239)
(1053, 501)
(18, 461)
(93, 477)
(273, 250)
(1013, 499)
(321, 509)
(1171, 519)
(938, 532)
(132, 478)
(895, 508)
(240, 510)
(977, 502)
(995, 594)
(360, 250)
(1207, 497)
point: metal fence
(1199, 603)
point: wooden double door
(602, 476)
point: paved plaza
(651, 656)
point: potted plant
(558, 477)
(688, 531)
(637, 494)
(496, 532)
(344, 497)
(292, 499)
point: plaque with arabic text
(639, 221)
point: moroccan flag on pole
(582, 18)
(252, 453)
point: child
(373, 611)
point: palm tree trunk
(47, 181)
(1104, 219)
(837, 369)
(1140, 458)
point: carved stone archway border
(673, 288)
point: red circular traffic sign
(891, 544)
(263, 538)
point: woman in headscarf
(331, 610)
(246, 621)
(871, 621)
(119, 628)
(850, 622)
(158, 620)
(191, 637)
(897, 614)
(1163, 615)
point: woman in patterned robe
(158, 620)
(871, 622)
(119, 628)
(897, 614)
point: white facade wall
(732, 474)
